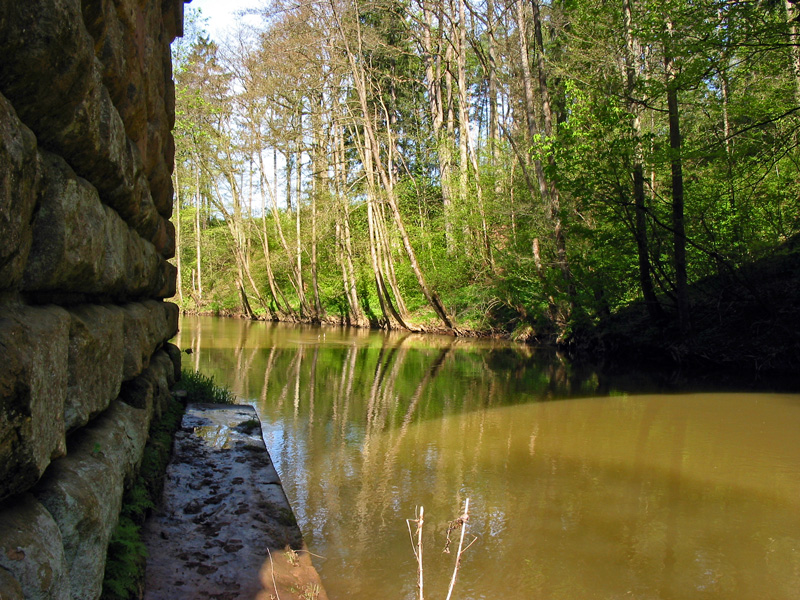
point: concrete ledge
(223, 513)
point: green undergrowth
(125, 562)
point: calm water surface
(581, 485)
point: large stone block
(51, 69)
(162, 361)
(174, 354)
(137, 343)
(31, 551)
(10, 588)
(68, 250)
(150, 391)
(169, 278)
(19, 177)
(95, 362)
(83, 491)
(56, 84)
(83, 246)
(34, 346)
(147, 326)
(172, 312)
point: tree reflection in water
(578, 487)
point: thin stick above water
(463, 522)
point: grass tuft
(202, 388)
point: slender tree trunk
(279, 228)
(388, 262)
(349, 277)
(235, 228)
(645, 280)
(197, 223)
(792, 16)
(319, 190)
(246, 308)
(491, 75)
(554, 199)
(305, 308)
(178, 238)
(678, 226)
(449, 143)
(466, 147)
(433, 76)
(377, 248)
(385, 300)
(282, 309)
(359, 80)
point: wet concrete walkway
(225, 529)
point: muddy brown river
(582, 484)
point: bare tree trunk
(678, 226)
(246, 308)
(388, 263)
(384, 298)
(359, 80)
(178, 239)
(450, 138)
(433, 76)
(377, 248)
(198, 253)
(277, 218)
(349, 277)
(554, 200)
(645, 280)
(305, 309)
(276, 293)
(466, 146)
(319, 188)
(235, 227)
(491, 75)
(792, 16)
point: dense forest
(523, 166)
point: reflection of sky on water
(646, 496)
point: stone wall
(86, 154)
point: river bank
(744, 320)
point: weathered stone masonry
(86, 154)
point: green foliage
(125, 562)
(737, 95)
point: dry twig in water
(418, 547)
(462, 522)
